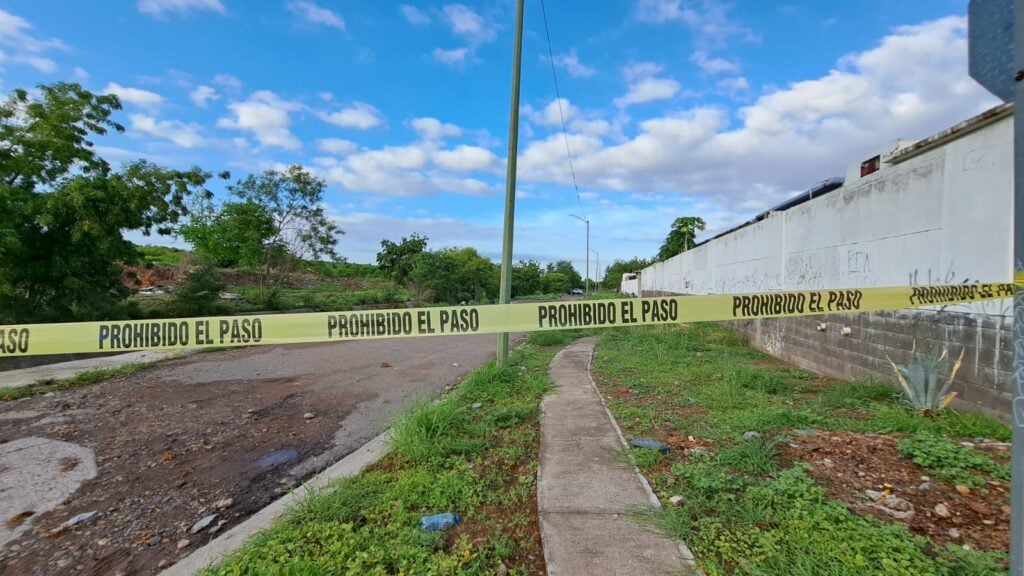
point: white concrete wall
(941, 217)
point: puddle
(276, 458)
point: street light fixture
(586, 285)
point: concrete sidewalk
(586, 491)
(60, 371)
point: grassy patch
(448, 456)
(743, 513)
(80, 380)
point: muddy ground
(220, 433)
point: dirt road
(221, 433)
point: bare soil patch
(848, 464)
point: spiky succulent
(924, 386)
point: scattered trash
(230, 296)
(73, 521)
(439, 522)
(385, 365)
(309, 415)
(199, 526)
(953, 533)
(751, 435)
(475, 405)
(222, 504)
(182, 544)
(650, 443)
(676, 500)
(455, 364)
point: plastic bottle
(649, 443)
(439, 522)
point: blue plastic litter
(649, 443)
(439, 522)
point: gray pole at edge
(505, 292)
(1017, 486)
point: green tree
(301, 229)
(681, 237)
(566, 268)
(397, 259)
(556, 283)
(63, 209)
(527, 278)
(234, 235)
(613, 273)
(455, 275)
(199, 294)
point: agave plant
(924, 386)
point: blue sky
(673, 107)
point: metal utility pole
(505, 293)
(995, 34)
(597, 270)
(586, 283)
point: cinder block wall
(983, 382)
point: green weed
(950, 461)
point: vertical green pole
(510, 183)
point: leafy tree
(556, 283)
(613, 274)
(63, 208)
(455, 275)
(527, 278)
(234, 235)
(681, 237)
(301, 229)
(566, 268)
(397, 259)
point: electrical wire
(561, 112)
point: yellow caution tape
(117, 336)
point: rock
(751, 435)
(941, 510)
(804, 432)
(979, 509)
(385, 365)
(502, 570)
(676, 500)
(163, 564)
(988, 522)
(695, 451)
(1005, 509)
(475, 405)
(222, 504)
(897, 503)
(953, 533)
(926, 479)
(182, 544)
(203, 523)
(103, 542)
(874, 495)
(828, 463)
(309, 415)
(926, 486)
(250, 411)
(963, 490)
(455, 364)
(73, 521)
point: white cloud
(137, 96)
(80, 74)
(317, 15)
(714, 65)
(359, 115)
(648, 90)
(710, 21)
(912, 84)
(640, 70)
(186, 135)
(465, 158)
(554, 113)
(228, 82)
(572, 65)
(201, 95)
(267, 117)
(434, 129)
(455, 57)
(414, 15)
(325, 96)
(336, 146)
(159, 7)
(734, 85)
(15, 35)
(466, 23)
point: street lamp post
(597, 270)
(586, 284)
